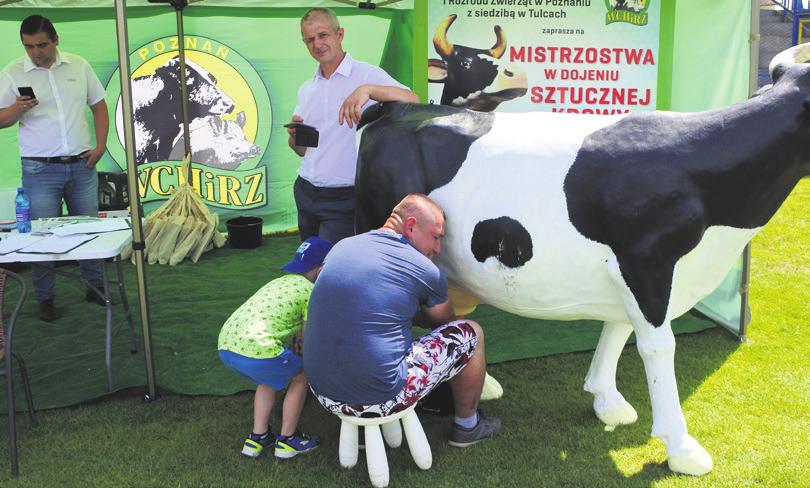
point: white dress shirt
(334, 162)
(58, 125)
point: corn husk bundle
(180, 228)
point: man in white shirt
(332, 102)
(58, 161)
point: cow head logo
(474, 78)
(223, 105)
(628, 11)
(226, 97)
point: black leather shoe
(94, 297)
(47, 311)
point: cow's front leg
(608, 404)
(657, 349)
(656, 345)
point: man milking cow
(360, 356)
(332, 102)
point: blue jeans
(46, 185)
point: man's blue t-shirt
(359, 319)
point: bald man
(361, 358)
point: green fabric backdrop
(260, 45)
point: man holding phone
(332, 101)
(47, 92)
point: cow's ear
(437, 70)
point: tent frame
(138, 243)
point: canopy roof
(34, 4)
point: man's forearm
(382, 93)
(101, 123)
(9, 116)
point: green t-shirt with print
(262, 325)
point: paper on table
(96, 227)
(13, 242)
(57, 244)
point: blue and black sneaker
(293, 445)
(255, 443)
(484, 429)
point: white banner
(578, 56)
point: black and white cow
(629, 219)
(474, 78)
(634, 5)
(158, 113)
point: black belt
(55, 159)
(327, 191)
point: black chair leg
(29, 399)
(12, 426)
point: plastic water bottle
(23, 207)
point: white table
(106, 245)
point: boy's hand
(298, 344)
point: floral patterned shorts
(435, 358)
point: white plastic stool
(375, 450)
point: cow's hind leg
(656, 345)
(608, 404)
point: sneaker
(254, 447)
(47, 311)
(291, 446)
(484, 429)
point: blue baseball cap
(309, 255)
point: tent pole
(179, 5)
(136, 210)
(181, 43)
(753, 86)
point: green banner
(244, 68)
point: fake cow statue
(628, 219)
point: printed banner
(228, 138)
(576, 56)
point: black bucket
(245, 232)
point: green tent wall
(703, 63)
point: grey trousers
(324, 212)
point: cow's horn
(500, 46)
(443, 46)
(793, 55)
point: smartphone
(26, 91)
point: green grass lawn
(749, 406)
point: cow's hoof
(492, 389)
(616, 412)
(697, 461)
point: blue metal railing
(799, 10)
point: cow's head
(790, 72)
(473, 78)
(204, 96)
